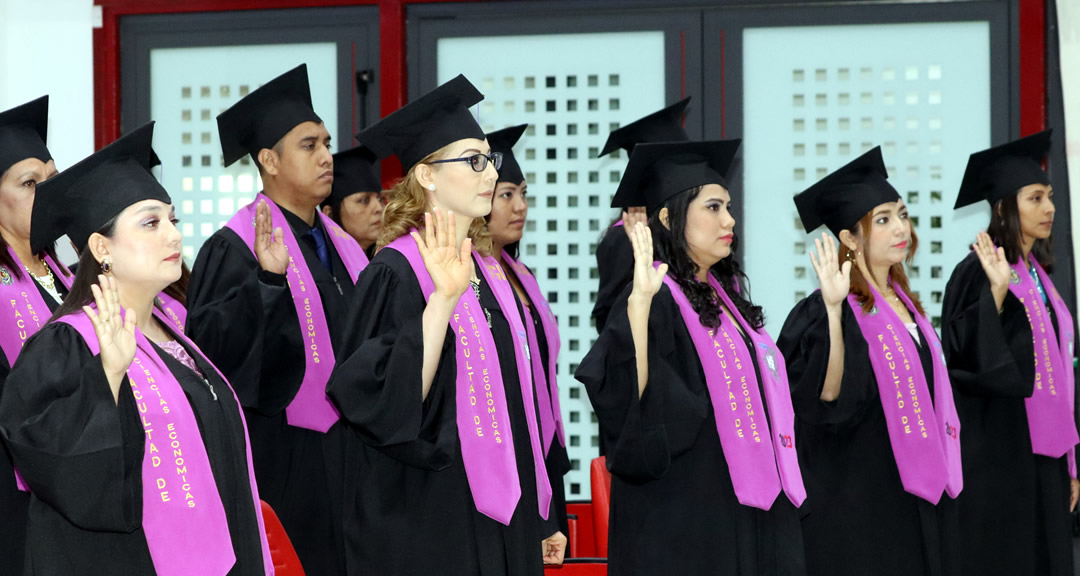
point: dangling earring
(851, 256)
(106, 266)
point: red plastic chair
(581, 539)
(286, 562)
(579, 567)
(601, 503)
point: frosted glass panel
(921, 91)
(189, 87)
(572, 89)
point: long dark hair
(670, 246)
(85, 276)
(7, 261)
(1004, 230)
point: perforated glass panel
(572, 89)
(921, 91)
(189, 87)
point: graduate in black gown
(875, 424)
(134, 448)
(1019, 489)
(355, 201)
(614, 256)
(247, 310)
(25, 162)
(443, 476)
(509, 212)
(702, 482)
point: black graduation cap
(661, 126)
(1001, 171)
(503, 141)
(85, 197)
(842, 198)
(658, 171)
(23, 133)
(155, 160)
(260, 119)
(426, 124)
(354, 171)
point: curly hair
(670, 246)
(859, 286)
(408, 203)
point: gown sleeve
(646, 433)
(377, 384)
(77, 450)
(988, 354)
(804, 341)
(235, 309)
(615, 267)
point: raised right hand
(115, 334)
(993, 262)
(647, 280)
(630, 218)
(834, 278)
(450, 268)
(270, 248)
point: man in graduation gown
(614, 256)
(246, 311)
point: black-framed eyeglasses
(478, 162)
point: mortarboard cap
(354, 171)
(260, 119)
(842, 198)
(82, 199)
(426, 124)
(23, 133)
(503, 141)
(658, 171)
(1001, 171)
(660, 126)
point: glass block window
(571, 89)
(189, 87)
(920, 91)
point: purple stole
(24, 313)
(310, 408)
(926, 450)
(547, 392)
(483, 420)
(761, 460)
(173, 310)
(183, 517)
(1050, 407)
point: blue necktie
(320, 248)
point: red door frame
(392, 76)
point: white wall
(46, 48)
(1069, 27)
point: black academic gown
(82, 454)
(673, 506)
(557, 460)
(409, 509)
(615, 266)
(14, 503)
(244, 319)
(1013, 512)
(858, 518)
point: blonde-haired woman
(445, 473)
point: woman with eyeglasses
(445, 470)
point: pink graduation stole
(926, 449)
(1050, 407)
(761, 459)
(173, 310)
(183, 516)
(310, 408)
(547, 390)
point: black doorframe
(348, 27)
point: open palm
(270, 248)
(647, 280)
(834, 278)
(993, 261)
(115, 331)
(450, 268)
